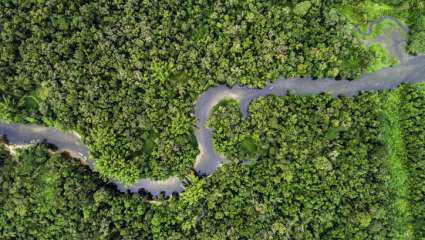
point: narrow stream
(411, 70)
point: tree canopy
(125, 74)
(320, 171)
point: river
(411, 70)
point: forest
(333, 140)
(413, 126)
(125, 74)
(322, 168)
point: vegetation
(125, 74)
(328, 153)
(230, 131)
(417, 40)
(411, 12)
(361, 13)
(397, 159)
(334, 134)
(382, 58)
(49, 196)
(323, 168)
(413, 125)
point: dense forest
(303, 167)
(417, 40)
(342, 142)
(125, 74)
(413, 125)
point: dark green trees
(413, 125)
(49, 196)
(338, 149)
(319, 170)
(417, 40)
(125, 74)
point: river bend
(411, 70)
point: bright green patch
(398, 183)
(382, 27)
(42, 92)
(302, 8)
(382, 58)
(24, 109)
(413, 123)
(362, 13)
(422, 86)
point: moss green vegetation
(119, 71)
(397, 157)
(49, 196)
(125, 74)
(382, 58)
(380, 28)
(410, 12)
(361, 13)
(380, 50)
(417, 43)
(230, 132)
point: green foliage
(129, 69)
(227, 124)
(248, 147)
(413, 125)
(302, 8)
(4, 154)
(360, 13)
(417, 18)
(125, 75)
(417, 43)
(321, 167)
(319, 135)
(381, 57)
(324, 168)
(49, 196)
(397, 160)
(411, 12)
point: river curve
(411, 70)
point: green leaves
(136, 67)
(302, 8)
(314, 154)
(302, 185)
(412, 104)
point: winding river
(411, 70)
